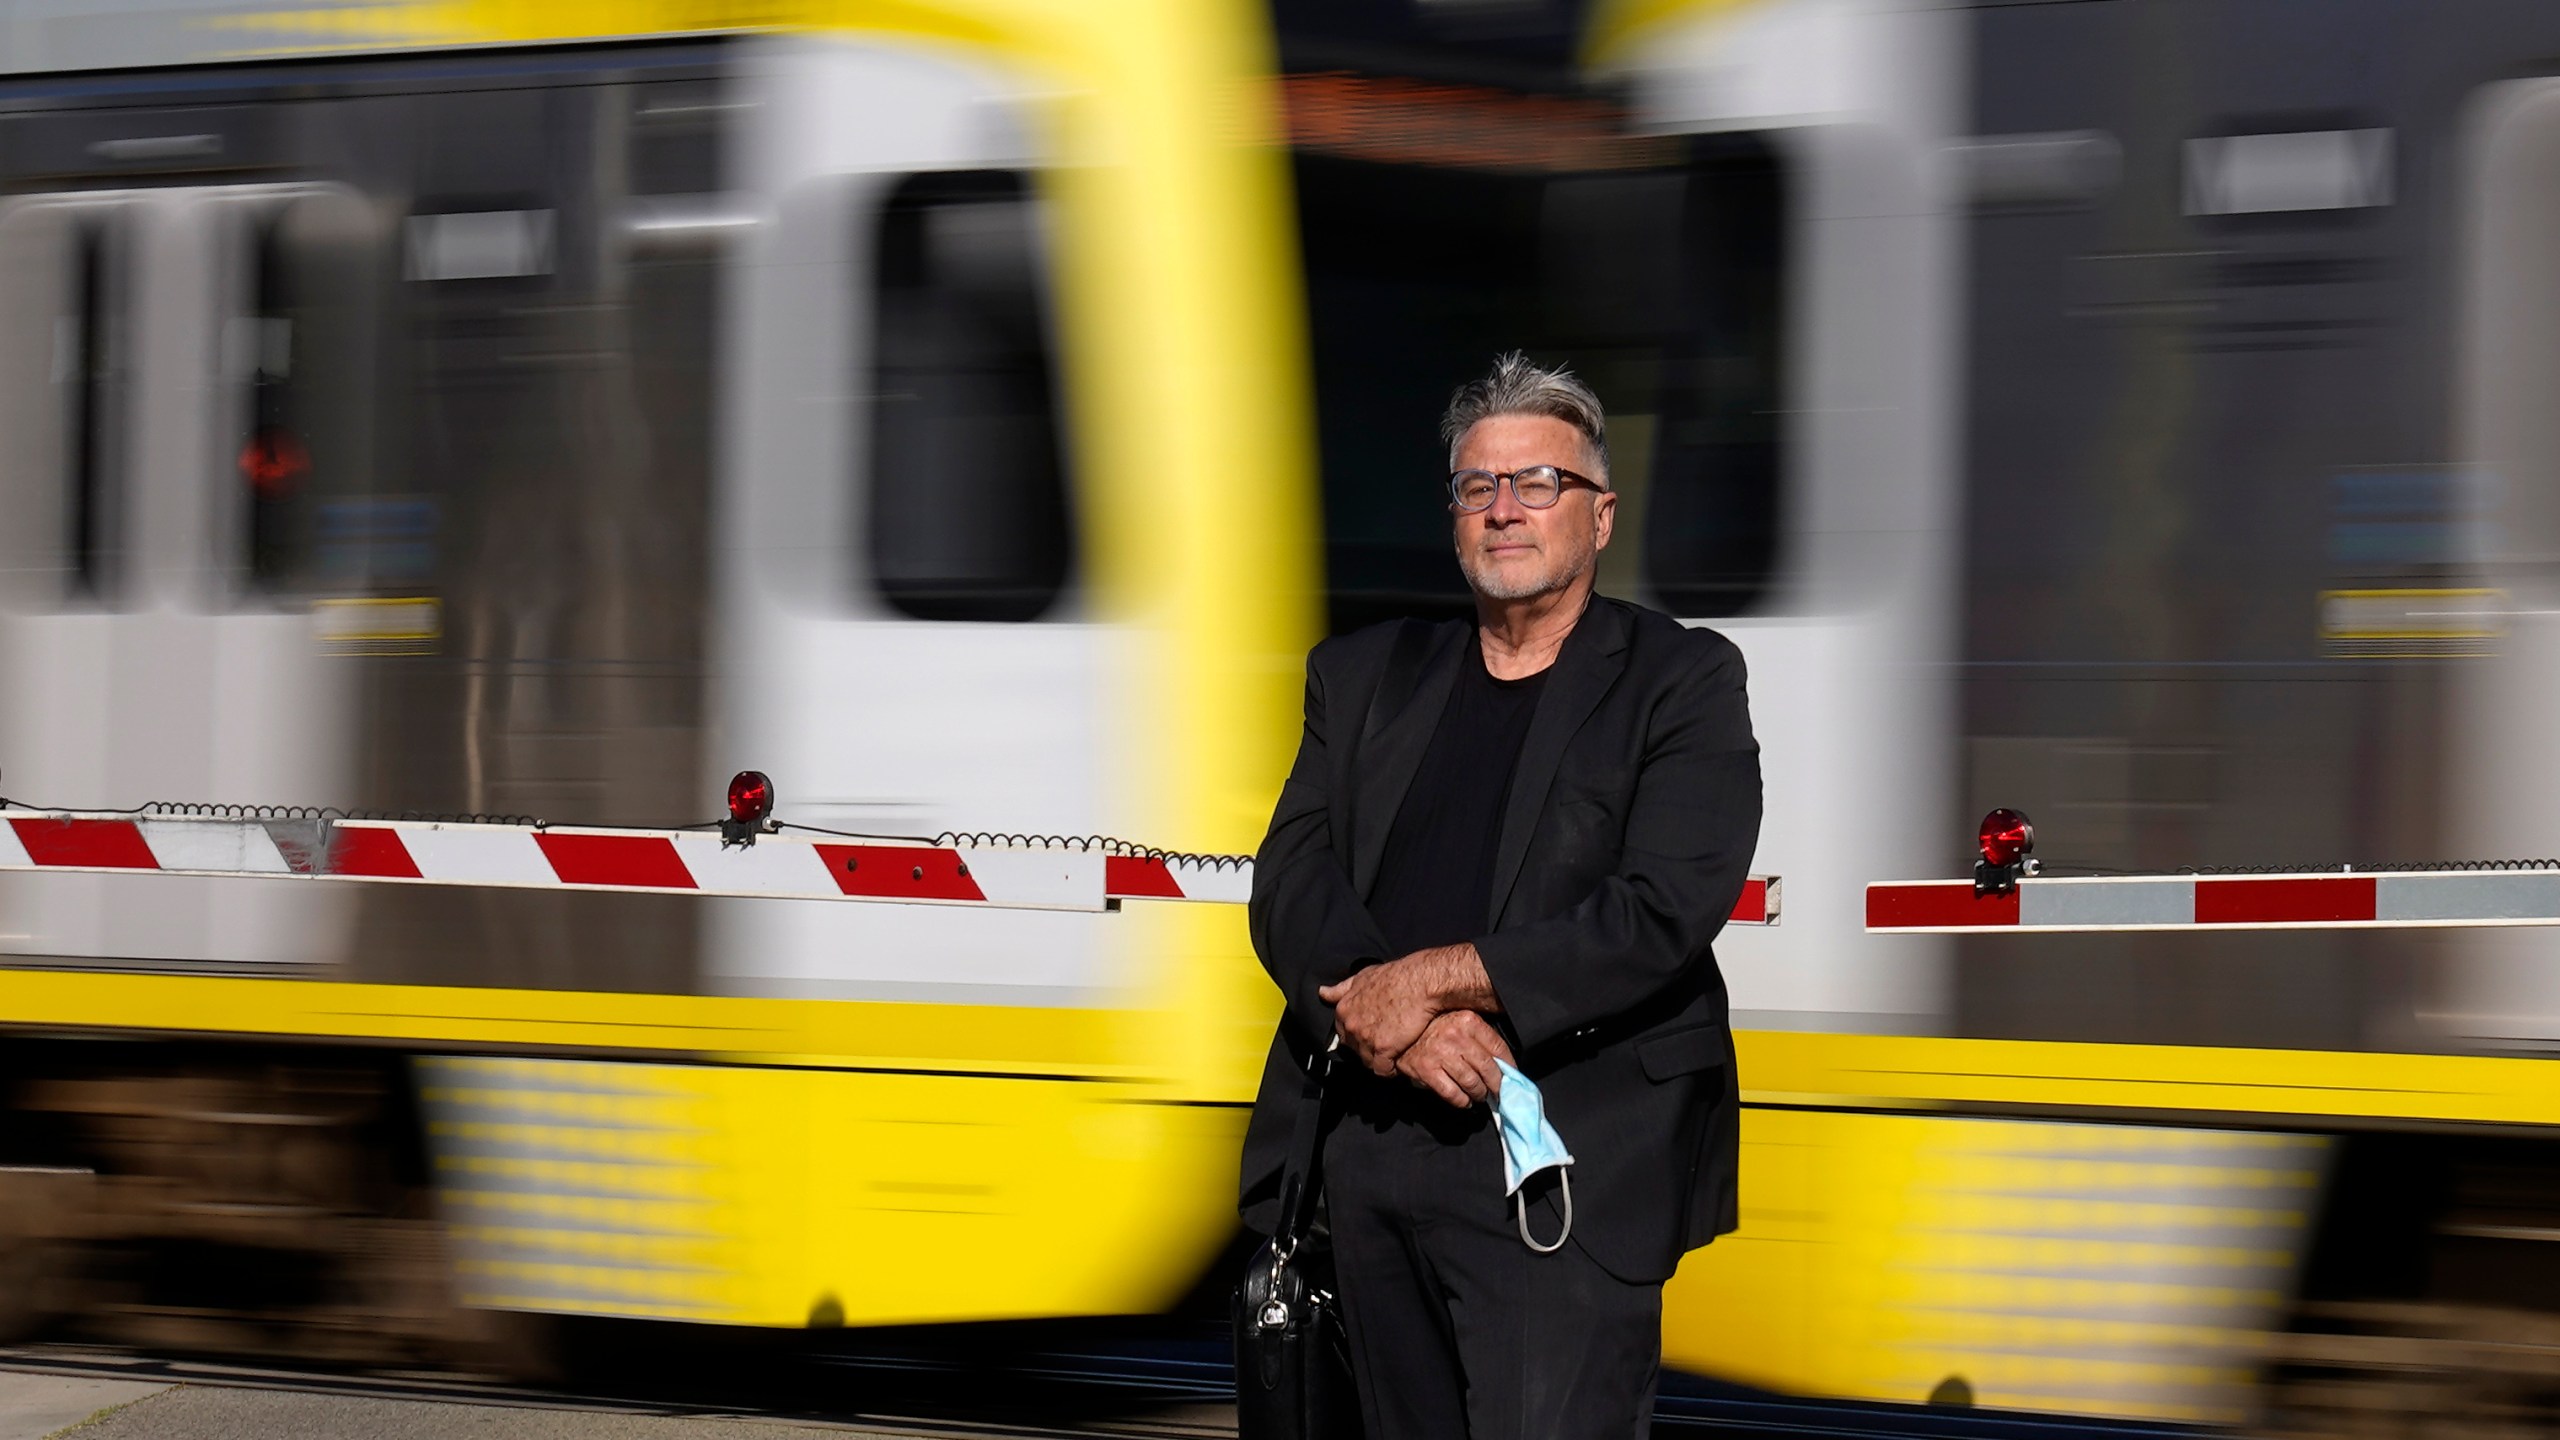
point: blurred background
(2133, 412)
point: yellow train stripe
(990, 1039)
(1781, 1067)
(1777, 1067)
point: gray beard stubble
(1492, 588)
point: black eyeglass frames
(1536, 486)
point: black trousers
(1459, 1331)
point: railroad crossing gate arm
(2303, 900)
(745, 858)
(2009, 892)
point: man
(1511, 840)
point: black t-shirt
(1435, 877)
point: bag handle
(1298, 1173)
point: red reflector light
(2006, 838)
(272, 461)
(750, 798)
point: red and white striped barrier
(2311, 900)
(1032, 875)
(567, 857)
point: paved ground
(194, 1412)
(37, 1405)
(88, 1394)
(33, 1407)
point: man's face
(1509, 551)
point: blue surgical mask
(1529, 1145)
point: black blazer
(1629, 830)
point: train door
(1851, 634)
(2500, 987)
(523, 581)
(171, 409)
(904, 638)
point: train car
(968, 411)
(484, 419)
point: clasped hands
(1423, 1017)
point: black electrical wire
(210, 810)
(851, 834)
(2413, 867)
(2419, 867)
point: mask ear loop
(1520, 1212)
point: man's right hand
(1455, 1058)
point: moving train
(968, 411)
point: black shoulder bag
(1293, 1358)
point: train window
(1709, 536)
(968, 511)
(274, 460)
(676, 137)
(1648, 264)
(84, 360)
(60, 294)
(296, 355)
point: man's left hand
(1382, 1010)
(1456, 1058)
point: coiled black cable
(216, 810)
(1107, 844)
(197, 810)
(2411, 868)
(949, 839)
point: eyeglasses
(1537, 486)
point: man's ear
(1604, 518)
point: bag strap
(1298, 1180)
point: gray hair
(1515, 387)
